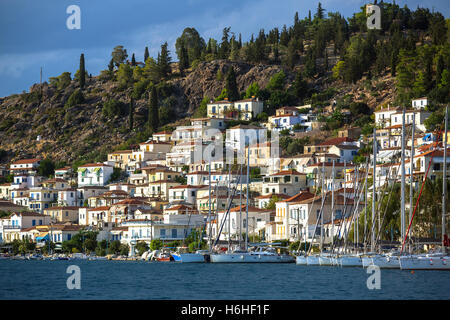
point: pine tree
(320, 12)
(153, 112)
(82, 71)
(146, 54)
(300, 86)
(231, 86)
(133, 60)
(164, 61)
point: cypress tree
(111, 65)
(153, 114)
(184, 59)
(231, 86)
(146, 54)
(82, 71)
(439, 69)
(131, 115)
(133, 60)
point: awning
(42, 236)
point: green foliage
(119, 55)
(252, 91)
(202, 109)
(141, 247)
(74, 99)
(125, 75)
(153, 112)
(46, 168)
(231, 85)
(156, 244)
(62, 81)
(277, 82)
(113, 108)
(82, 75)
(192, 43)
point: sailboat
(259, 254)
(199, 255)
(438, 260)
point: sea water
(167, 280)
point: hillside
(316, 61)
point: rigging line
(356, 186)
(389, 198)
(227, 212)
(385, 209)
(420, 194)
(319, 216)
(307, 225)
(354, 214)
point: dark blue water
(143, 280)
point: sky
(34, 34)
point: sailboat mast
(321, 212)
(444, 181)
(332, 207)
(365, 208)
(229, 213)
(411, 171)
(372, 245)
(246, 207)
(209, 210)
(345, 198)
(240, 211)
(403, 178)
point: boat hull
(188, 257)
(350, 261)
(312, 261)
(366, 261)
(300, 260)
(385, 262)
(326, 261)
(250, 258)
(424, 263)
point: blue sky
(33, 34)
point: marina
(156, 280)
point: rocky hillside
(81, 131)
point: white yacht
(300, 260)
(198, 256)
(350, 261)
(260, 255)
(425, 262)
(313, 260)
(326, 259)
(386, 261)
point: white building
(94, 174)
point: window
(174, 233)
(33, 223)
(162, 232)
